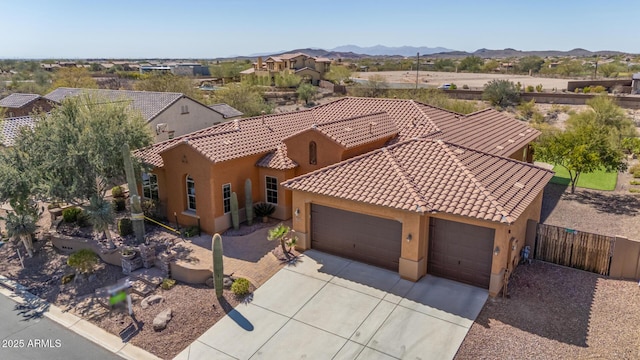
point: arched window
(313, 153)
(191, 193)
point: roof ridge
(414, 103)
(421, 203)
(492, 155)
(331, 122)
(478, 111)
(473, 179)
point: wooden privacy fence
(576, 249)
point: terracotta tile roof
(149, 103)
(18, 100)
(11, 128)
(357, 130)
(277, 159)
(491, 131)
(426, 175)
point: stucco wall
(197, 118)
(328, 152)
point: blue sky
(220, 28)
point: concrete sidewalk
(112, 343)
(327, 307)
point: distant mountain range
(357, 52)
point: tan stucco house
(168, 114)
(312, 68)
(391, 182)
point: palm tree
(20, 227)
(101, 216)
(283, 234)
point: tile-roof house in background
(17, 104)
(312, 68)
(168, 114)
(10, 128)
(395, 183)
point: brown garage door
(365, 238)
(460, 252)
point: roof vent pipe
(262, 112)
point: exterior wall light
(496, 251)
(409, 237)
(297, 212)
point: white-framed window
(191, 193)
(150, 186)
(226, 198)
(272, 189)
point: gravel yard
(558, 313)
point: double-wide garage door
(365, 238)
(460, 252)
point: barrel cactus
(235, 217)
(248, 201)
(218, 268)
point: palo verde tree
(167, 82)
(502, 93)
(580, 149)
(73, 77)
(306, 92)
(244, 97)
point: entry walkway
(327, 307)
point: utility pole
(417, 71)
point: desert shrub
(586, 90)
(527, 109)
(117, 191)
(453, 87)
(263, 209)
(634, 190)
(84, 261)
(70, 215)
(539, 88)
(167, 283)
(634, 168)
(191, 231)
(83, 219)
(125, 227)
(502, 93)
(461, 106)
(465, 86)
(150, 208)
(119, 204)
(598, 89)
(529, 88)
(577, 90)
(634, 182)
(240, 287)
(67, 278)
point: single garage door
(365, 238)
(460, 252)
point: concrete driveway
(327, 307)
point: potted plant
(264, 210)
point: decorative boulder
(161, 320)
(151, 300)
(210, 283)
(227, 282)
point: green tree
(74, 78)
(581, 149)
(490, 66)
(244, 97)
(502, 93)
(444, 65)
(471, 64)
(101, 216)
(604, 112)
(285, 236)
(609, 69)
(287, 80)
(20, 227)
(167, 82)
(570, 68)
(338, 74)
(375, 85)
(530, 63)
(74, 152)
(306, 92)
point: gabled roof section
(292, 55)
(277, 159)
(359, 130)
(18, 100)
(425, 175)
(149, 103)
(306, 68)
(11, 128)
(227, 111)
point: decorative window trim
(226, 198)
(191, 195)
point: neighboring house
(227, 111)
(17, 104)
(10, 128)
(391, 182)
(168, 114)
(183, 69)
(310, 67)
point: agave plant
(20, 227)
(101, 216)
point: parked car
(445, 86)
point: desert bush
(634, 190)
(84, 261)
(529, 88)
(502, 93)
(240, 287)
(527, 109)
(465, 86)
(586, 90)
(70, 215)
(119, 204)
(191, 231)
(167, 283)
(634, 182)
(539, 88)
(598, 89)
(263, 209)
(67, 278)
(125, 227)
(117, 191)
(83, 219)
(453, 87)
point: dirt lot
(474, 81)
(558, 313)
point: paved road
(25, 334)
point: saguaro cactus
(248, 201)
(137, 216)
(218, 268)
(235, 217)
